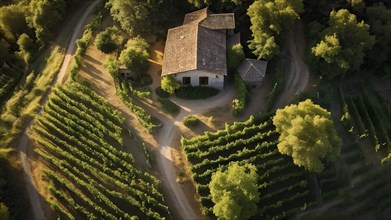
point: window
(204, 81)
(186, 80)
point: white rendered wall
(216, 82)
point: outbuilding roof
(252, 70)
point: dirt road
(35, 199)
(165, 162)
(295, 69)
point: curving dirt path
(35, 199)
(295, 69)
(182, 205)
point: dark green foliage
(218, 5)
(5, 55)
(13, 196)
(12, 21)
(44, 17)
(379, 19)
(169, 106)
(8, 80)
(191, 121)
(196, 92)
(82, 45)
(140, 17)
(239, 102)
(107, 41)
(26, 47)
(270, 20)
(146, 80)
(112, 67)
(235, 55)
(278, 80)
(161, 93)
(342, 46)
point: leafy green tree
(235, 55)
(138, 17)
(307, 134)
(269, 20)
(25, 43)
(343, 44)
(235, 192)
(112, 65)
(107, 41)
(12, 21)
(169, 84)
(26, 47)
(135, 56)
(44, 16)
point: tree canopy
(235, 192)
(107, 41)
(269, 19)
(138, 17)
(135, 56)
(307, 134)
(343, 44)
(26, 47)
(112, 65)
(44, 16)
(12, 21)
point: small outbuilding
(252, 71)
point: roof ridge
(196, 47)
(251, 64)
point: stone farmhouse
(195, 52)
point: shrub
(169, 106)
(107, 41)
(235, 55)
(191, 121)
(169, 84)
(197, 92)
(279, 84)
(239, 103)
(161, 93)
(146, 80)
